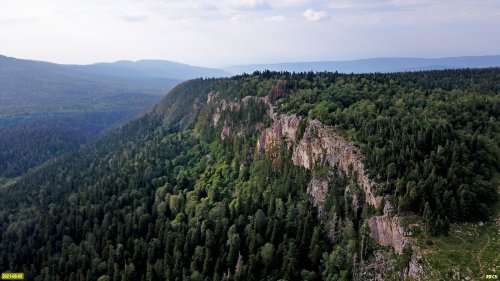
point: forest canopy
(165, 197)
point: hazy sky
(227, 32)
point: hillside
(47, 109)
(272, 176)
(153, 69)
(35, 87)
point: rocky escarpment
(319, 145)
(387, 230)
(322, 145)
(313, 144)
(228, 127)
(318, 188)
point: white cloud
(250, 5)
(134, 18)
(277, 18)
(290, 3)
(206, 6)
(188, 20)
(312, 15)
(340, 5)
(237, 18)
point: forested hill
(47, 110)
(264, 177)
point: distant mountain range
(159, 69)
(374, 65)
(28, 85)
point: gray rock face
(322, 145)
(319, 192)
(415, 269)
(283, 128)
(387, 231)
(319, 145)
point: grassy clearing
(471, 250)
(5, 182)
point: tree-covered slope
(47, 109)
(431, 138)
(186, 191)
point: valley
(48, 110)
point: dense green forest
(165, 197)
(28, 143)
(431, 138)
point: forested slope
(189, 192)
(47, 109)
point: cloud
(312, 15)
(380, 5)
(290, 3)
(237, 18)
(188, 20)
(16, 21)
(206, 7)
(134, 18)
(340, 5)
(250, 5)
(277, 18)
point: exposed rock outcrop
(215, 118)
(221, 105)
(314, 144)
(226, 131)
(319, 145)
(387, 231)
(319, 192)
(211, 96)
(415, 269)
(230, 105)
(282, 128)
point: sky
(220, 33)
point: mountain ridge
(380, 64)
(158, 68)
(150, 68)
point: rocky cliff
(319, 145)
(322, 145)
(313, 144)
(387, 231)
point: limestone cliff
(219, 105)
(319, 145)
(387, 231)
(313, 144)
(322, 145)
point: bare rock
(320, 144)
(415, 269)
(226, 130)
(215, 118)
(211, 96)
(318, 189)
(387, 231)
(285, 127)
